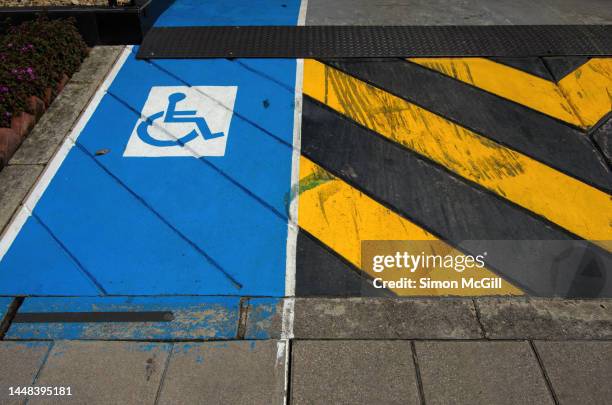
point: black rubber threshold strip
(86, 317)
(376, 41)
(113, 25)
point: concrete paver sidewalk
(321, 371)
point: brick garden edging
(23, 123)
(36, 151)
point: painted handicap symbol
(187, 121)
(171, 115)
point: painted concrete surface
(200, 318)
(133, 220)
(466, 12)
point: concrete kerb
(25, 167)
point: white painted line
(292, 225)
(302, 13)
(282, 354)
(12, 230)
(287, 320)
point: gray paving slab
(465, 12)
(481, 373)
(104, 372)
(239, 372)
(580, 372)
(546, 319)
(20, 361)
(385, 318)
(15, 183)
(97, 64)
(353, 372)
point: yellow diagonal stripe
(589, 90)
(513, 84)
(576, 206)
(341, 217)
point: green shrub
(33, 57)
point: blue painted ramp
(179, 182)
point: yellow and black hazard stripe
(454, 150)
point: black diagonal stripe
(444, 204)
(602, 136)
(533, 65)
(321, 272)
(86, 317)
(520, 128)
(561, 66)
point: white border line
(302, 13)
(282, 355)
(12, 230)
(292, 226)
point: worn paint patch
(573, 205)
(194, 318)
(264, 319)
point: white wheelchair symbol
(183, 121)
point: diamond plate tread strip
(375, 41)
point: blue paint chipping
(115, 225)
(264, 318)
(194, 318)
